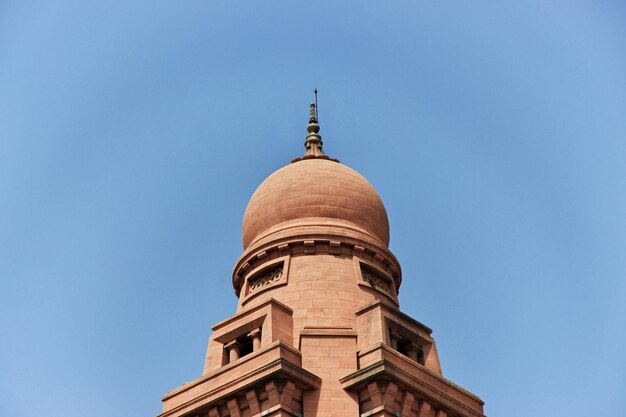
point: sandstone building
(318, 331)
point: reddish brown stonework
(318, 331)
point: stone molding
(408, 377)
(272, 302)
(326, 332)
(277, 362)
(257, 258)
(411, 322)
(310, 226)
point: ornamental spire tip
(313, 142)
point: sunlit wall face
(132, 135)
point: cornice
(316, 244)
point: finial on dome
(313, 142)
(313, 116)
(313, 127)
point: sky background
(132, 135)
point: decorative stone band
(305, 157)
(255, 259)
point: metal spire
(313, 142)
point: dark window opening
(407, 343)
(246, 345)
(242, 346)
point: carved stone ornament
(265, 279)
(375, 280)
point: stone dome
(314, 193)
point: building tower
(318, 331)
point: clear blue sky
(132, 135)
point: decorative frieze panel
(375, 280)
(372, 277)
(266, 278)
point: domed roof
(315, 192)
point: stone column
(255, 335)
(234, 350)
(395, 337)
(413, 351)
